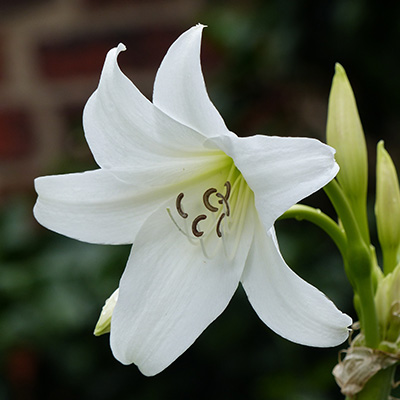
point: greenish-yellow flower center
(211, 210)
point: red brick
(83, 56)
(16, 138)
(72, 58)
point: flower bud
(387, 302)
(387, 207)
(345, 133)
(383, 303)
(104, 323)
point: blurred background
(268, 66)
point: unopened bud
(387, 207)
(345, 133)
(104, 323)
(387, 302)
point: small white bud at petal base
(104, 323)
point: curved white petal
(171, 291)
(125, 130)
(281, 171)
(179, 88)
(291, 307)
(94, 206)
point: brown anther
(228, 190)
(227, 185)
(179, 206)
(195, 222)
(224, 200)
(206, 199)
(218, 227)
(227, 194)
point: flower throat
(223, 200)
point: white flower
(198, 203)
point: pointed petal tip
(334, 334)
(121, 47)
(200, 26)
(179, 89)
(340, 71)
(195, 30)
(336, 329)
(150, 371)
(338, 67)
(338, 340)
(147, 368)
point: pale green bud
(344, 132)
(383, 303)
(387, 302)
(387, 207)
(104, 323)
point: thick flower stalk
(198, 204)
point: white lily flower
(198, 203)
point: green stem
(359, 207)
(378, 387)
(343, 210)
(317, 217)
(358, 262)
(368, 317)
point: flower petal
(170, 292)
(125, 130)
(291, 307)
(280, 171)
(94, 206)
(173, 171)
(179, 88)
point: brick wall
(51, 55)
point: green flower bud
(387, 302)
(104, 323)
(387, 207)
(344, 132)
(382, 304)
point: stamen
(185, 231)
(225, 202)
(179, 206)
(175, 223)
(218, 227)
(224, 199)
(206, 199)
(228, 189)
(235, 193)
(223, 213)
(195, 222)
(227, 185)
(241, 217)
